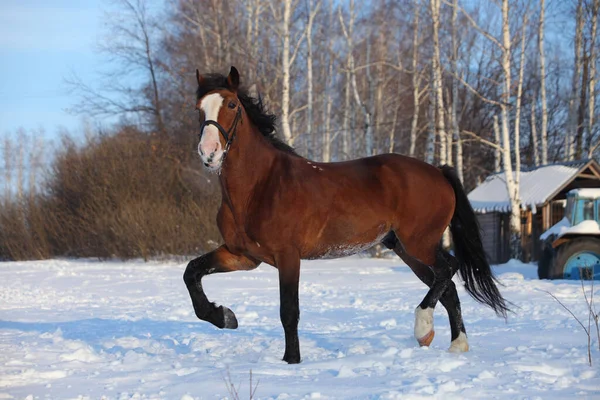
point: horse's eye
(231, 105)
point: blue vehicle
(572, 246)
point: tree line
(483, 86)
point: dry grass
(126, 195)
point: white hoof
(424, 325)
(460, 344)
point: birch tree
(517, 130)
(312, 12)
(544, 127)
(575, 88)
(416, 81)
(512, 186)
(497, 148)
(367, 114)
(592, 81)
(455, 129)
(286, 63)
(440, 127)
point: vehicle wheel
(545, 261)
(576, 259)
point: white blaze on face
(210, 148)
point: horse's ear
(199, 78)
(233, 79)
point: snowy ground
(126, 330)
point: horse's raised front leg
(219, 260)
(289, 308)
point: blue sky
(41, 43)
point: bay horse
(279, 208)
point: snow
(587, 227)
(82, 329)
(536, 188)
(556, 229)
(563, 227)
(588, 193)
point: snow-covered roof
(537, 186)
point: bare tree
(454, 58)
(517, 131)
(311, 13)
(497, 149)
(416, 81)
(574, 102)
(286, 63)
(367, 113)
(130, 43)
(592, 75)
(440, 127)
(544, 130)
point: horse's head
(220, 113)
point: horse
(279, 208)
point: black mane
(254, 107)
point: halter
(227, 135)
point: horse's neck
(248, 163)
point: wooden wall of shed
(495, 235)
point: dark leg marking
(448, 265)
(219, 260)
(289, 311)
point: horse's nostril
(206, 164)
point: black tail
(468, 249)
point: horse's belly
(347, 246)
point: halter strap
(227, 135)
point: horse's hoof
(292, 360)
(427, 339)
(460, 344)
(229, 319)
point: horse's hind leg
(446, 266)
(219, 260)
(449, 299)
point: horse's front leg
(289, 308)
(219, 260)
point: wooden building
(543, 197)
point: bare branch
(475, 25)
(482, 140)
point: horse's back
(345, 207)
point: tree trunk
(455, 128)
(416, 79)
(430, 145)
(309, 77)
(544, 127)
(347, 112)
(517, 131)
(437, 82)
(511, 186)
(285, 64)
(592, 80)
(534, 138)
(574, 99)
(368, 123)
(497, 152)
(582, 108)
